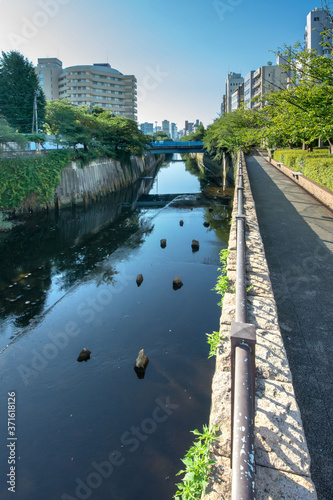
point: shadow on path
(298, 238)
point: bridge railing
(243, 338)
(175, 144)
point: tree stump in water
(177, 283)
(84, 355)
(139, 279)
(141, 364)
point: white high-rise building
(264, 80)
(48, 72)
(248, 90)
(233, 81)
(316, 22)
(98, 84)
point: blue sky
(179, 50)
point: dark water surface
(94, 429)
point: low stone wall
(79, 184)
(321, 193)
(281, 454)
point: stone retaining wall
(321, 193)
(79, 184)
(281, 454)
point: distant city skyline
(180, 53)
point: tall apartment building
(262, 81)
(48, 72)
(174, 131)
(233, 81)
(147, 128)
(316, 22)
(237, 97)
(98, 84)
(166, 126)
(248, 90)
(188, 127)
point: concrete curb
(281, 454)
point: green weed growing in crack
(221, 287)
(222, 281)
(197, 466)
(213, 339)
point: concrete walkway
(298, 238)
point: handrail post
(243, 338)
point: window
(316, 18)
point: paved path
(298, 238)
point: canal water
(94, 429)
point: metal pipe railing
(241, 309)
(243, 337)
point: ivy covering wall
(28, 182)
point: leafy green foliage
(195, 136)
(18, 82)
(98, 131)
(240, 128)
(317, 165)
(222, 281)
(302, 112)
(213, 339)
(197, 462)
(161, 136)
(30, 181)
(8, 134)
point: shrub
(317, 166)
(319, 170)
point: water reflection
(48, 253)
(74, 283)
(174, 179)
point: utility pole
(35, 116)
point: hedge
(317, 165)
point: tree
(8, 135)
(195, 136)
(66, 122)
(161, 136)
(239, 128)
(18, 83)
(307, 102)
(100, 132)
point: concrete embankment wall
(281, 454)
(223, 173)
(79, 185)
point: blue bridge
(177, 147)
